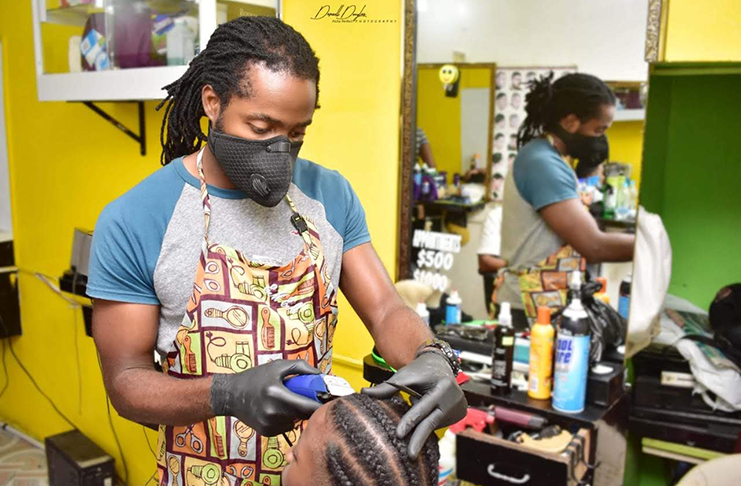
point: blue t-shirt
(146, 244)
(541, 175)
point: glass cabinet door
(227, 10)
(124, 49)
(101, 35)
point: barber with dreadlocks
(228, 262)
(549, 231)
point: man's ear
(211, 104)
(570, 123)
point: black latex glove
(258, 397)
(442, 402)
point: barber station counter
(487, 460)
(595, 457)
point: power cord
(31, 378)
(49, 281)
(153, 477)
(146, 437)
(5, 370)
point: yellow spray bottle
(541, 356)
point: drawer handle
(524, 479)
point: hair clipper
(320, 388)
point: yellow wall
(440, 116)
(357, 132)
(66, 164)
(626, 146)
(703, 31)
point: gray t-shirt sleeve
(542, 177)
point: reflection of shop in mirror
(555, 194)
(684, 335)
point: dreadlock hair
(548, 102)
(367, 450)
(232, 50)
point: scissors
(195, 443)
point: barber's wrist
(442, 349)
(221, 394)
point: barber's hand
(442, 401)
(258, 397)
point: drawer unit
(486, 460)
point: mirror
(466, 128)
(508, 186)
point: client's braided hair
(368, 452)
(223, 64)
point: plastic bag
(608, 328)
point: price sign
(435, 256)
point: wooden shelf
(75, 16)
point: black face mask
(261, 168)
(591, 151)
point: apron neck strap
(205, 199)
(298, 221)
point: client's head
(352, 441)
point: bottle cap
(421, 309)
(454, 298)
(575, 280)
(505, 314)
(544, 315)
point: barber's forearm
(399, 336)
(614, 247)
(148, 396)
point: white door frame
(6, 226)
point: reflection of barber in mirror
(424, 151)
(543, 214)
(197, 260)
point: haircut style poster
(512, 86)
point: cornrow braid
(232, 50)
(358, 419)
(548, 101)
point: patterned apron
(242, 314)
(547, 283)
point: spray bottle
(541, 356)
(503, 352)
(572, 353)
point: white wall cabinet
(56, 22)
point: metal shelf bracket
(141, 139)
